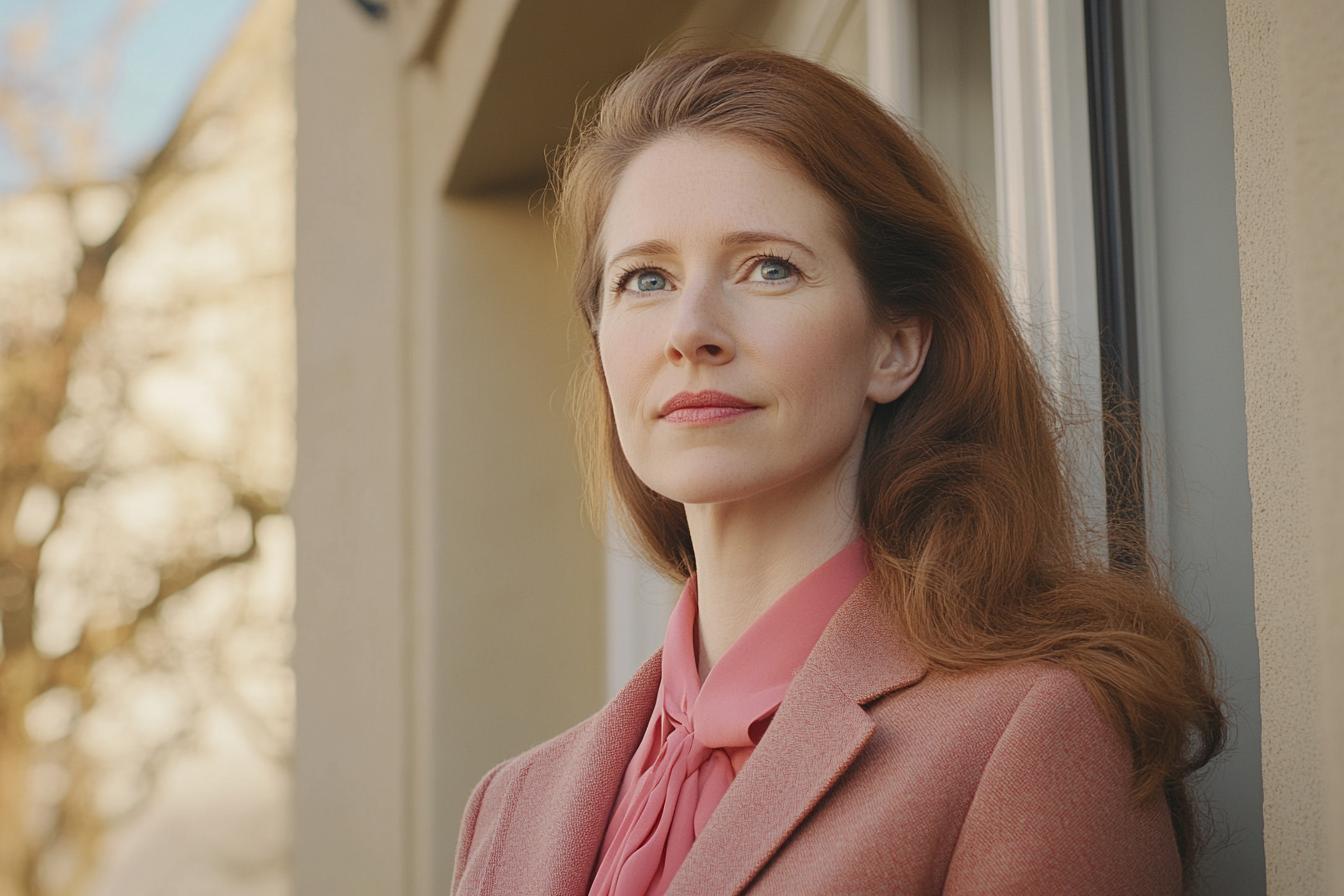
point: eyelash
(623, 276)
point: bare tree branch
(36, 375)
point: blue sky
(163, 56)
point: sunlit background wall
(146, 446)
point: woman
(895, 667)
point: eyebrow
(648, 247)
(736, 238)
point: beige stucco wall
(1313, 47)
(1287, 64)
(519, 633)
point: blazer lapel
(821, 727)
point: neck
(748, 553)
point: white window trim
(1045, 229)
(893, 55)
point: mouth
(707, 406)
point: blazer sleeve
(466, 834)
(1053, 815)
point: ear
(900, 353)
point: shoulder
(1011, 685)
(1010, 737)
(595, 746)
(1046, 783)
(1033, 711)
(979, 709)
(555, 796)
(1039, 732)
(1007, 780)
(1052, 808)
(499, 787)
(511, 809)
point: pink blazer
(874, 777)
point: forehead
(684, 187)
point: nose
(699, 333)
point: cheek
(828, 361)
(623, 355)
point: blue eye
(776, 269)
(650, 281)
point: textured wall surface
(1313, 50)
(519, 641)
(1287, 65)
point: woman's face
(738, 347)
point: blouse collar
(748, 683)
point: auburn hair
(965, 501)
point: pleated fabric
(700, 735)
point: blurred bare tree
(146, 445)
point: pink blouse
(700, 735)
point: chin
(706, 486)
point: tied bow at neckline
(700, 735)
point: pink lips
(708, 406)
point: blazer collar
(818, 731)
